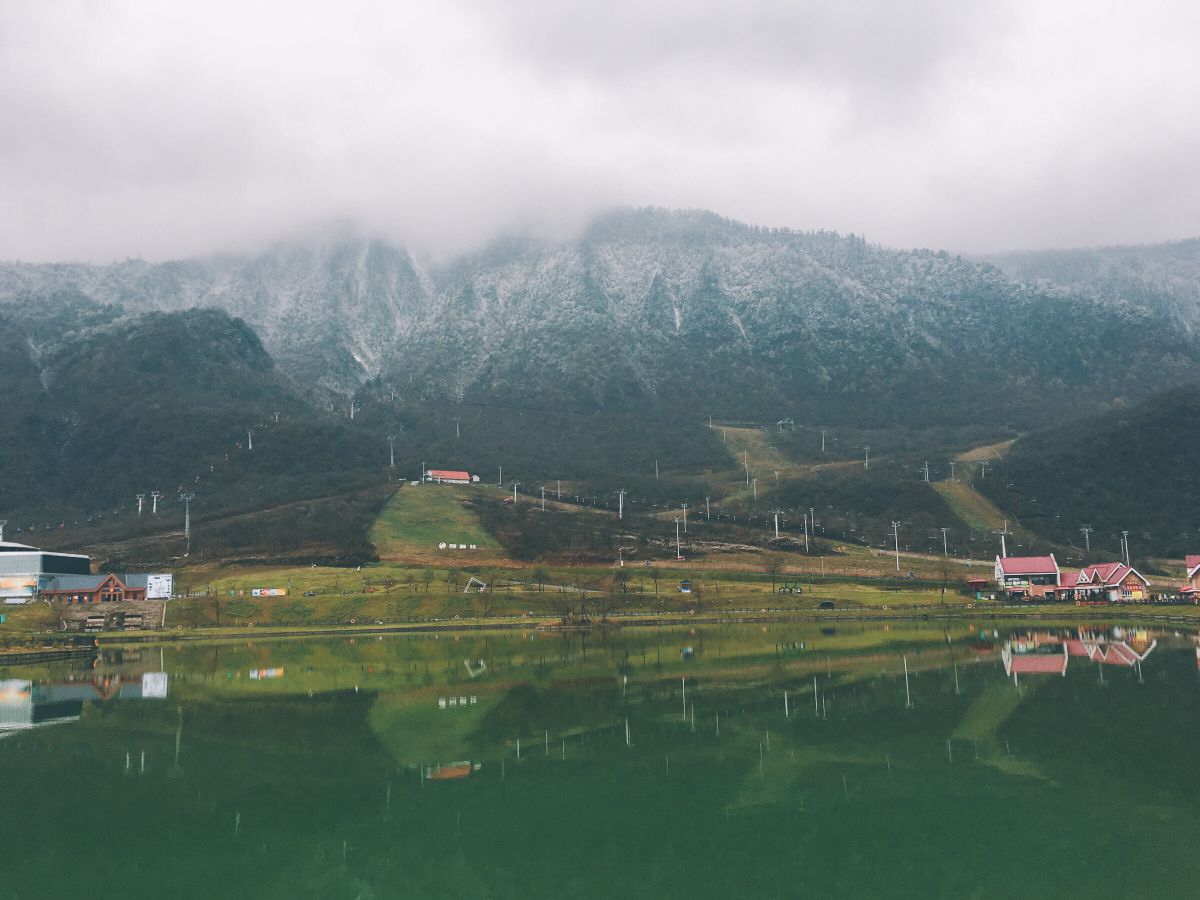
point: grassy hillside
(1131, 469)
(419, 518)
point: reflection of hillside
(636, 791)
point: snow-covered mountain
(1162, 277)
(652, 307)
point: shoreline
(1167, 617)
(38, 647)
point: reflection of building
(25, 705)
(1048, 653)
(1035, 654)
(1110, 653)
(25, 570)
(451, 771)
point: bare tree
(774, 566)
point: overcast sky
(163, 129)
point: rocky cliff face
(651, 307)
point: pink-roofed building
(1027, 576)
(1112, 581)
(1191, 578)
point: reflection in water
(727, 761)
(25, 704)
(1049, 652)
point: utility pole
(1086, 531)
(457, 430)
(1003, 532)
(983, 468)
(249, 440)
(392, 450)
(707, 510)
(3, 522)
(953, 477)
(656, 470)
(823, 433)
(499, 483)
(352, 409)
(684, 506)
(621, 503)
(155, 496)
(776, 513)
(746, 464)
(945, 546)
(276, 417)
(543, 498)
(558, 492)
(678, 549)
(806, 534)
(896, 534)
(867, 457)
(141, 498)
(927, 471)
(515, 483)
(1125, 544)
(187, 518)
(812, 519)
(754, 484)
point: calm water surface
(744, 761)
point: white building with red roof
(449, 476)
(1027, 576)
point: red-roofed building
(1027, 576)
(449, 476)
(1191, 578)
(1106, 581)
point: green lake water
(735, 761)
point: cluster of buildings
(1040, 577)
(28, 574)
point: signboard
(18, 589)
(159, 587)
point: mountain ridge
(646, 308)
